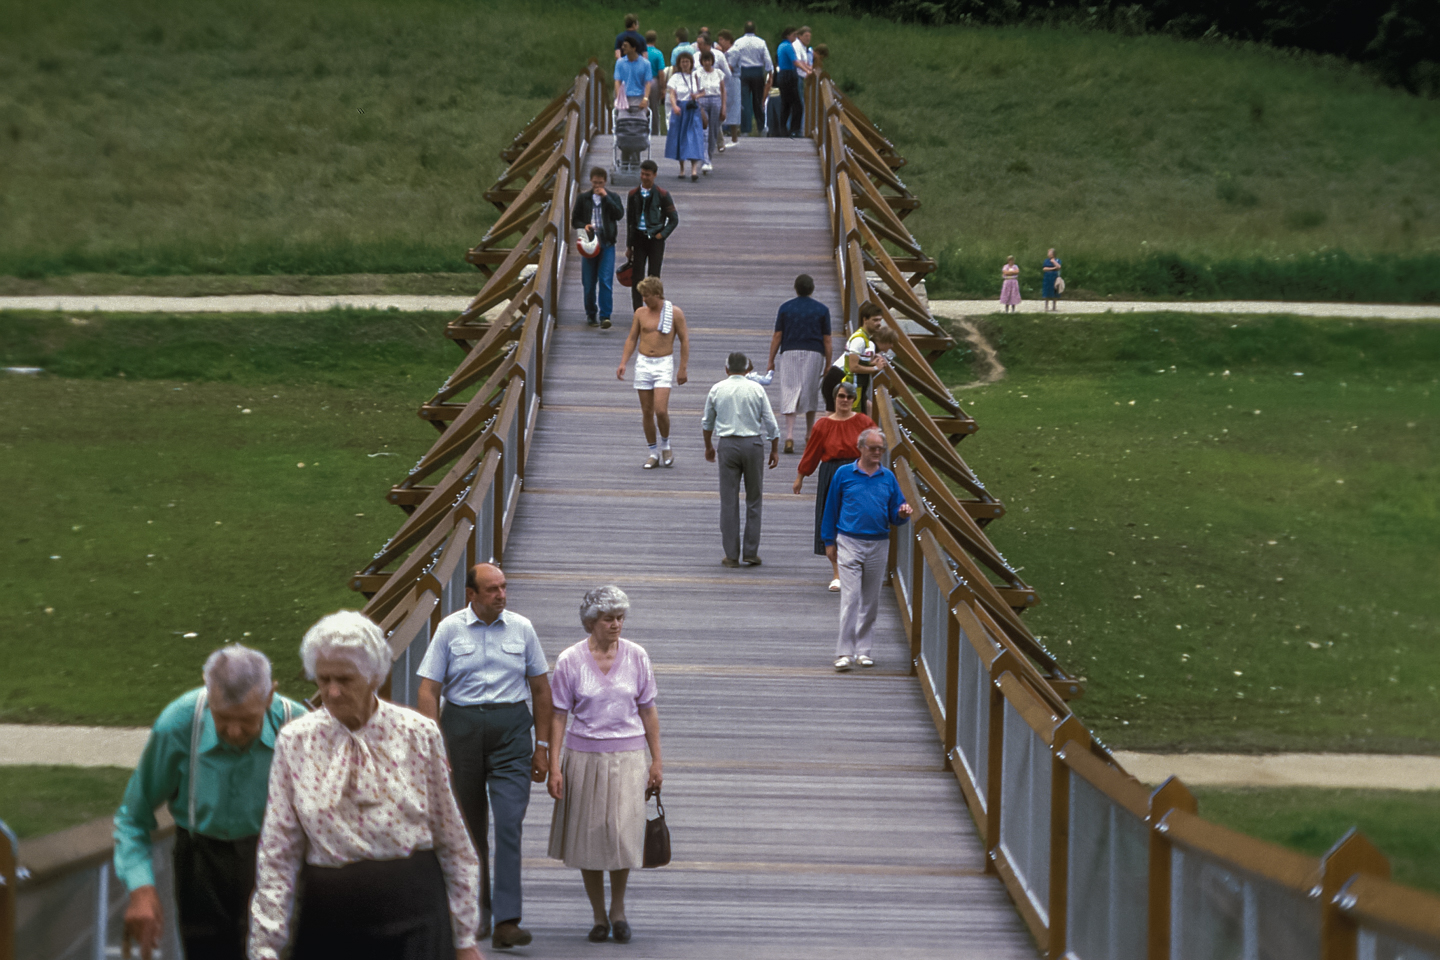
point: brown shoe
(789, 446)
(509, 934)
(727, 562)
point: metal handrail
(1148, 876)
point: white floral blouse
(339, 796)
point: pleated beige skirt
(600, 825)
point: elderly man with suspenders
(208, 758)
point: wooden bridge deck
(809, 811)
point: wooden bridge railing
(1099, 866)
(460, 497)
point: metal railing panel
(1374, 945)
(80, 914)
(904, 561)
(932, 635)
(972, 719)
(1109, 875)
(1025, 808)
(1218, 912)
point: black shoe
(604, 323)
(592, 322)
(621, 931)
(599, 933)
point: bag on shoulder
(657, 837)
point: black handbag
(657, 837)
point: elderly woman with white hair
(361, 821)
(606, 684)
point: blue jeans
(599, 271)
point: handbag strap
(659, 807)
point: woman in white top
(361, 819)
(686, 139)
(712, 104)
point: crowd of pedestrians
(713, 88)
(361, 828)
(358, 828)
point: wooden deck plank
(810, 812)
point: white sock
(652, 449)
(664, 443)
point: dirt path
(121, 747)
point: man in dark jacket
(597, 215)
(650, 217)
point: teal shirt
(229, 797)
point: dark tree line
(1401, 38)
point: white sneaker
(864, 661)
(842, 664)
(706, 168)
(835, 585)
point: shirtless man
(656, 327)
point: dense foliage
(1401, 37)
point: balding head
(485, 591)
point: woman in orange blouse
(831, 445)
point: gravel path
(121, 746)
(267, 303)
(953, 309)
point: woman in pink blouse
(600, 785)
(361, 819)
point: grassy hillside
(1233, 522)
(190, 481)
(356, 136)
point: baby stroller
(632, 145)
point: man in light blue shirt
(738, 410)
(482, 660)
(633, 78)
(864, 502)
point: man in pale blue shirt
(481, 661)
(864, 502)
(738, 410)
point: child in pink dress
(1010, 289)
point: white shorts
(652, 373)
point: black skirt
(375, 910)
(823, 477)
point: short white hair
(600, 601)
(869, 432)
(349, 634)
(234, 673)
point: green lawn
(353, 136)
(1401, 823)
(1235, 562)
(210, 476)
(40, 800)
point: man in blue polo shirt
(633, 78)
(863, 503)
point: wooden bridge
(811, 812)
(945, 802)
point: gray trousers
(862, 571)
(490, 752)
(740, 456)
(710, 106)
